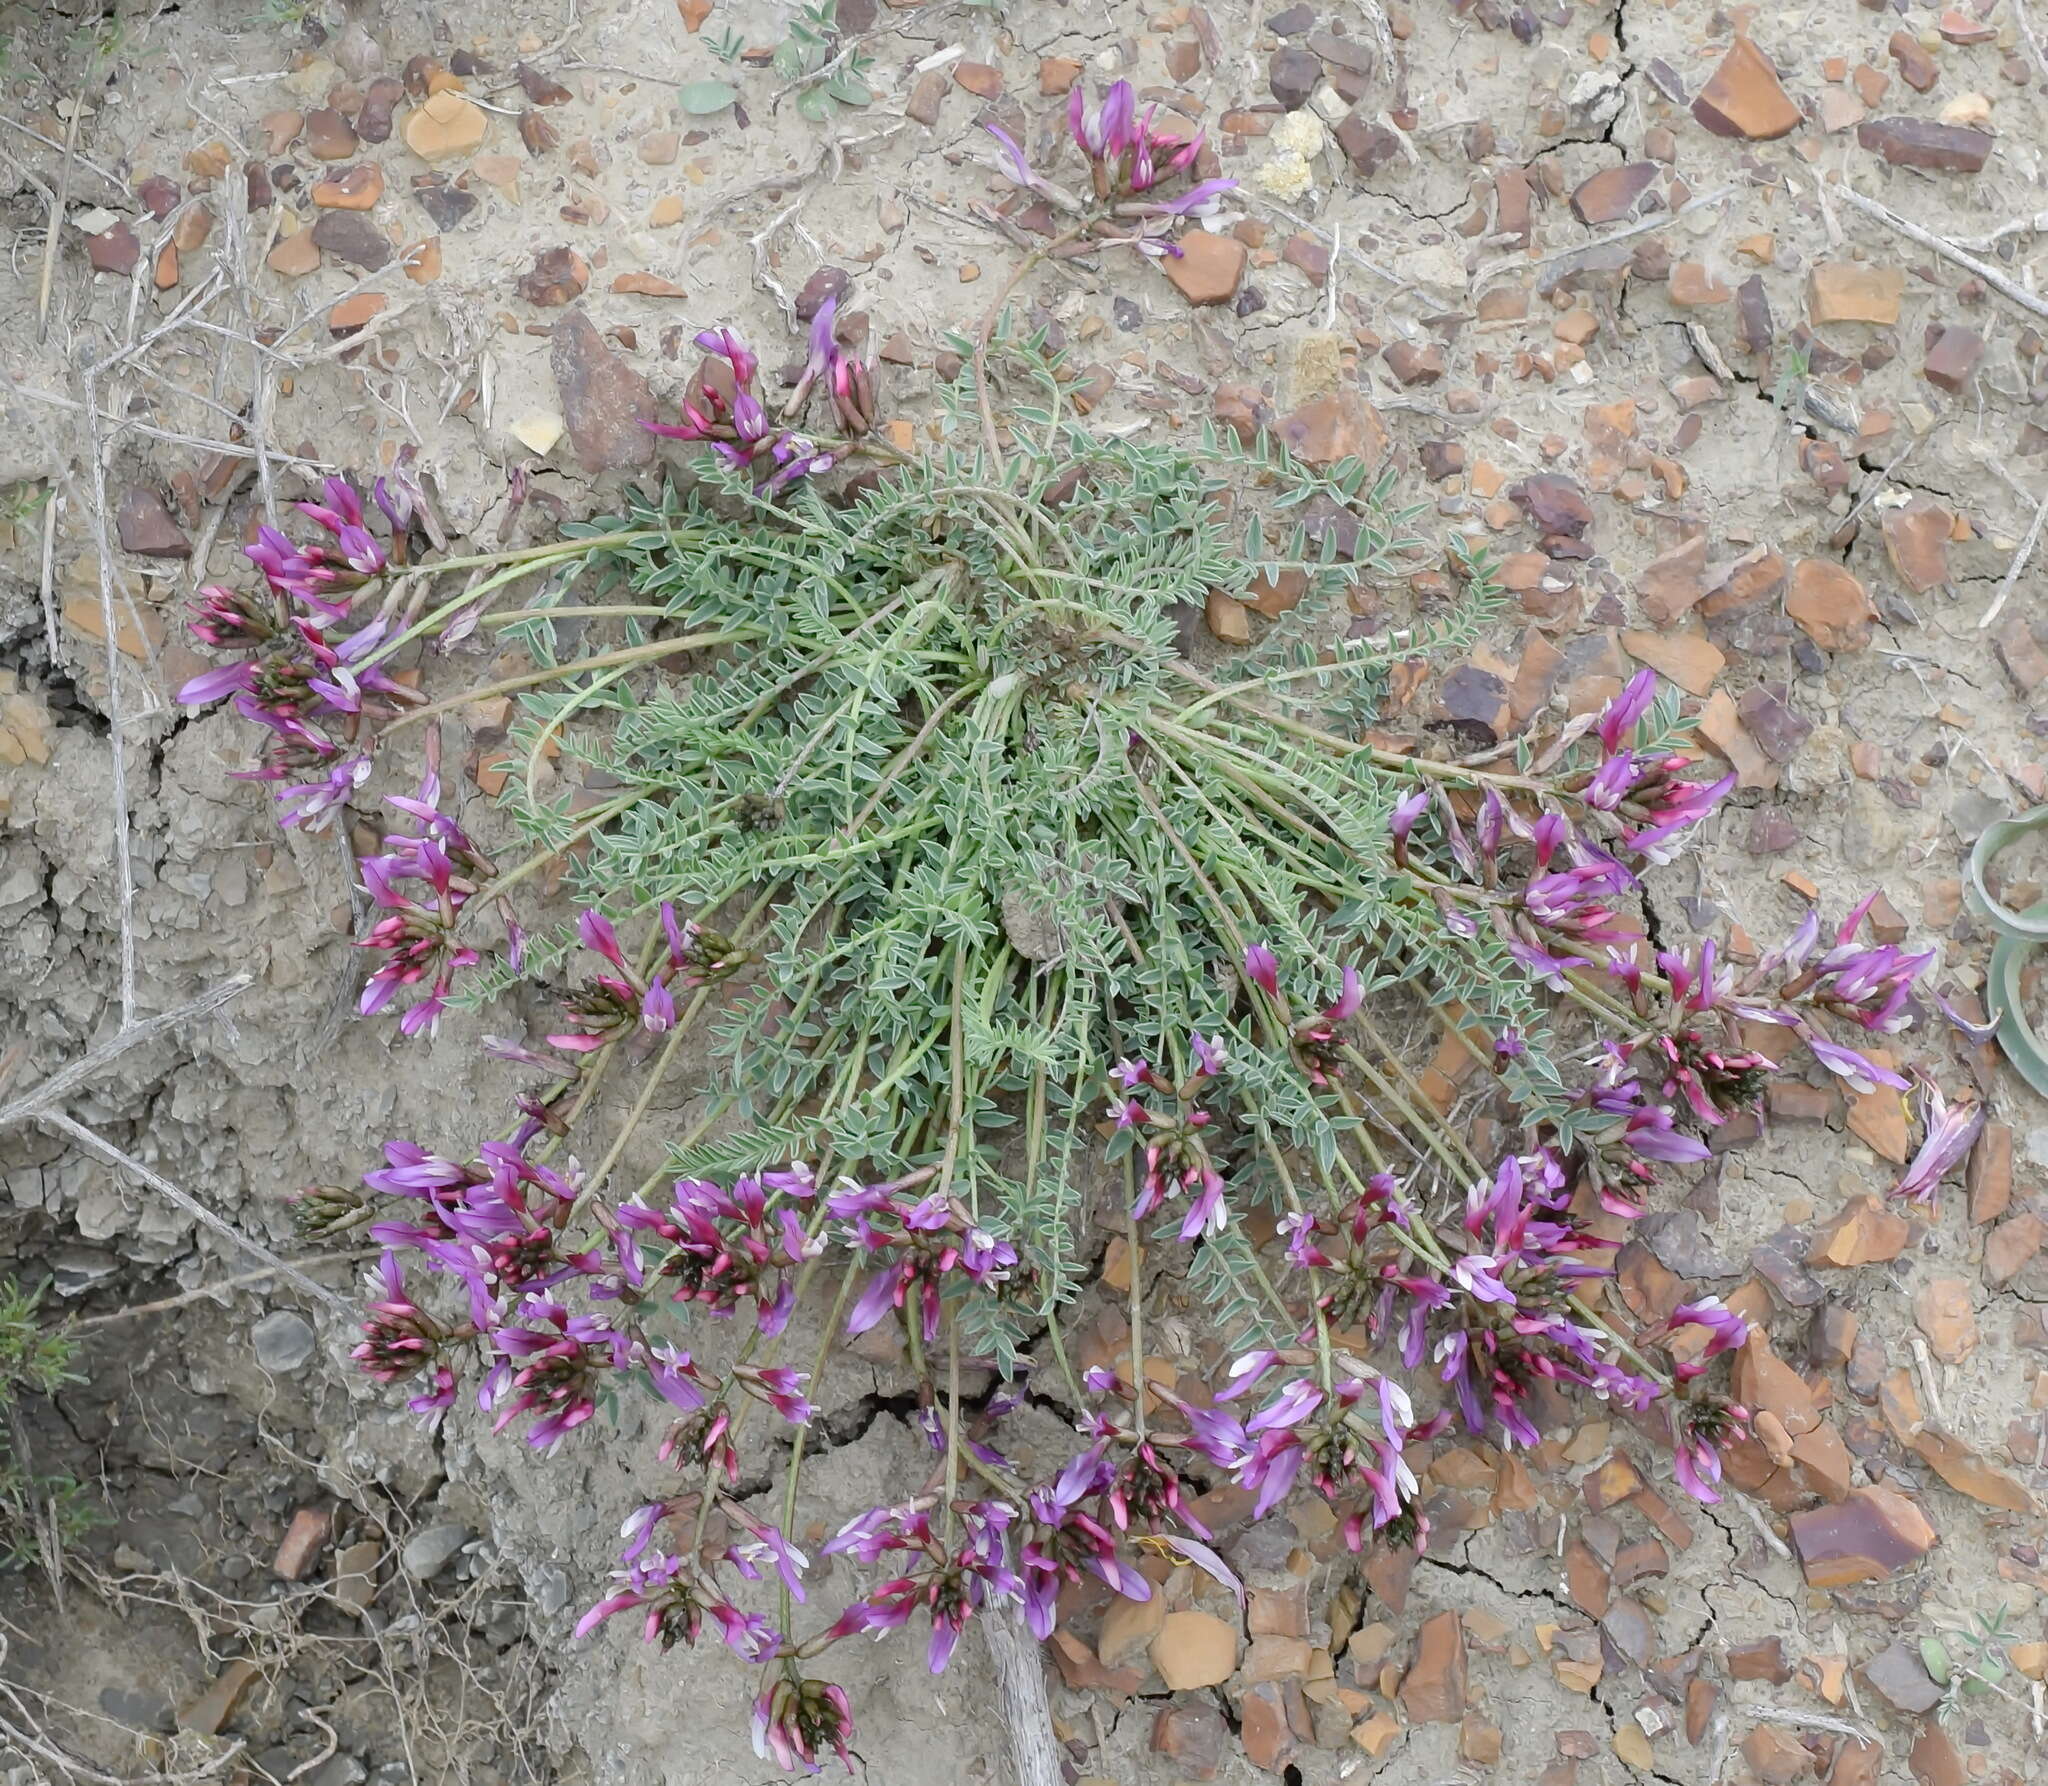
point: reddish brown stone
(1763, 1660)
(1952, 357)
(1433, 1689)
(1209, 268)
(1942, 1310)
(1775, 1755)
(1830, 605)
(355, 314)
(1916, 66)
(1340, 426)
(330, 136)
(1745, 98)
(113, 250)
(1414, 363)
(1920, 142)
(1191, 1737)
(1934, 1760)
(1673, 582)
(218, 1703)
(1758, 573)
(1586, 1581)
(1988, 1176)
(558, 276)
(358, 189)
(603, 399)
(145, 527)
(1916, 540)
(1264, 1727)
(1057, 75)
(304, 1539)
(1970, 1474)
(1862, 1232)
(1369, 146)
(1701, 1698)
(1611, 195)
(1852, 291)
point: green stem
(820, 1363)
(630, 654)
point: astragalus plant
(1016, 934)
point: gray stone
(550, 1589)
(430, 1550)
(137, 1707)
(1902, 1678)
(1678, 1239)
(1873, 833)
(1974, 811)
(77, 1269)
(284, 1341)
(338, 1770)
(355, 1574)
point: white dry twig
(2020, 560)
(2031, 302)
(115, 1156)
(132, 1036)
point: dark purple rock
(1343, 52)
(1558, 507)
(1920, 142)
(113, 250)
(541, 89)
(160, 195)
(380, 101)
(1475, 698)
(1677, 1239)
(145, 527)
(1779, 731)
(447, 205)
(351, 236)
(604, 400)
(1293, 74)
(1770, 832)
(827, 282)
(1780, 1261)
(1367, 143)
(1630, 1629)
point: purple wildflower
(1952, 1130)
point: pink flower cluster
(725, 412)
(300, 676)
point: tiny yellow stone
(1633, 1746)
(538, 433)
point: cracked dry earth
(1604, 282)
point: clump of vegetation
(1016, 934)
(39, 1514)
